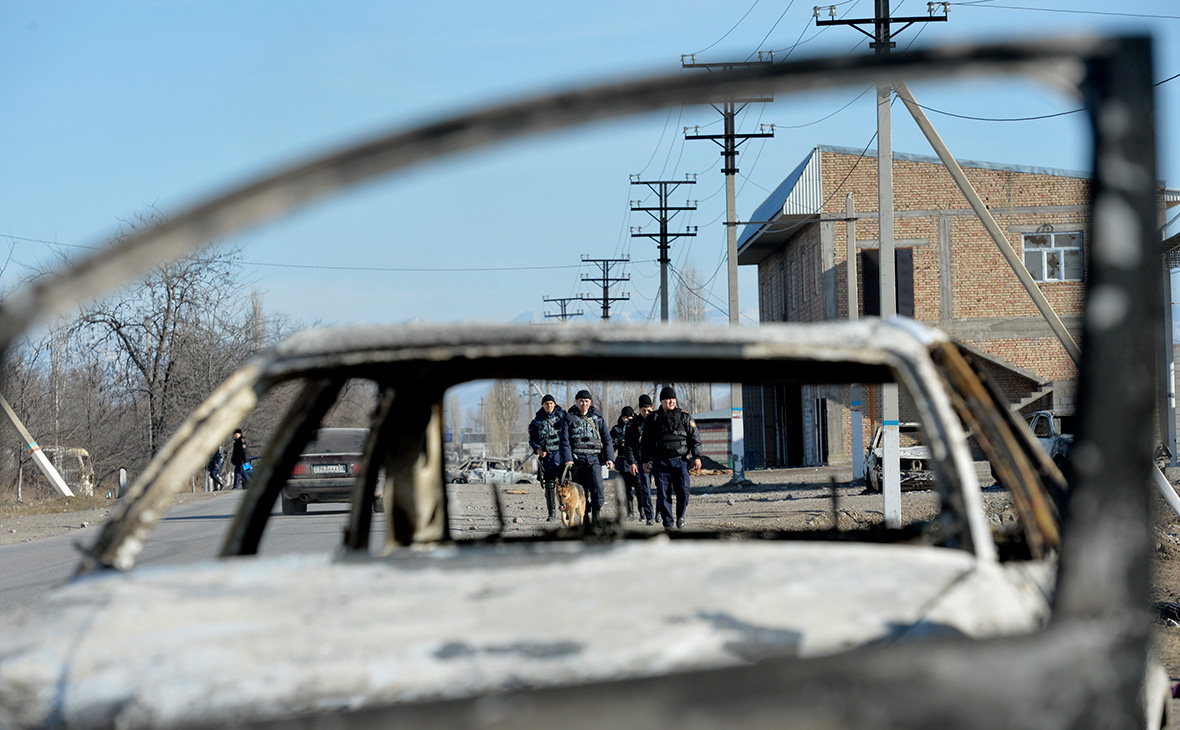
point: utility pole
(662, 189)
(605, 281)
(605, 301)
(563, 304)
(882, 43)
(729, 141)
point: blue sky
(114, 108)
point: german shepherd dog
(571, 497)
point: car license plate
(328, 469)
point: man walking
(670, 438)
(585, 447)
(545, 439)
(632, 459)
(617, 434)
(238, 459)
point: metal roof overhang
(793, 204)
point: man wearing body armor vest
(585, 448)
(670, 439)
(616, 438)
(545, 439)
(632, 461)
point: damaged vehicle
(437, 621)
(914, 459)
(489, 470)
(1053, 430)
(948, 622)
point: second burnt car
(913, 457)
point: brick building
(949, 274)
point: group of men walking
(662, 444)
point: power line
(325, 267)
(1069, 12)
(735, 25)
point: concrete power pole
(882, 43)
(729, 141)
(605, 281)
(563, 304)
(662, 189)
(39, 457)
(605, 300)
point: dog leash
(564, 473)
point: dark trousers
(241, 477)
(639, 486)
(588, 472)
(671, 481)
(548, 474)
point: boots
(550, 501)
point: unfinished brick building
(949, 274)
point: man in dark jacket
(632, 460)
(670, 439)
(544, 440)
(585, 448)
(617, 434)
(238, 459)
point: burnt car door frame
(1099, 635)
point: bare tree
(503, 412)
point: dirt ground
(786, 499)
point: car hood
(258, 638)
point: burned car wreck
(1044, 626)
(409, 636)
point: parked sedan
(326, 470)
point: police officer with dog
(670, 440)
(585, 446)
(545, 440)
(632, 461)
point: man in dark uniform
(238, 458)
(616, 438)
(670, 439)
(544, 439)
(585, 447)
(632, 460)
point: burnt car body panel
(1084, 669)
(914, 459)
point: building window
(1054, 256)
(803, 276)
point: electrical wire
(975, 5)
(735, 25)
(324, 267)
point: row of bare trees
(118, 376)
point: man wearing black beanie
(545, 439)
(670, 439)
(631, 458)
(585, 447)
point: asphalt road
(188, 533)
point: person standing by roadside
(214, 468)
(670, 439)
(632, 460)
(238, 458)
(544, 440)
(585, 447)
(617, 435)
